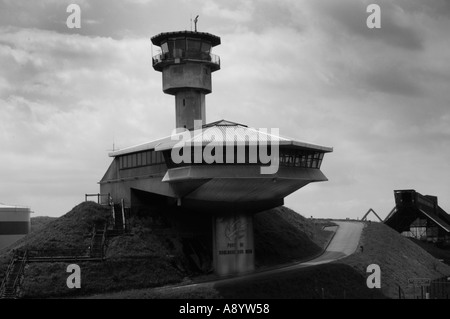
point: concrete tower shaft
(189, 106)
(186, 63)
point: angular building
(419, 216)
(225, 170)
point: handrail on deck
(99, 196)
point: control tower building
(232, 181)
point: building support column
(233, 246)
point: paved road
(344, 243)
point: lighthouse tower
(186, 63)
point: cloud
(256, 17)
(312, 69)
(347, 18)
(393, 81)
(62, 99)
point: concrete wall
(189, 106)
(147, 178)
(187, 75)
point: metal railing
(440, 288)
(7, 273)
(103, 241)
(53, 253)
(20, 273)
(10, 269)
(109, 200)
(193, 56)
(124, 219)
(94, 231)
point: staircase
(120, 219)
(116, 226)
(98, 242)
(10, 287)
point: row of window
(140, 159)
(300, 159)
(186, 44)
(290, 158)
(287, 157)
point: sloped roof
(416, 205)
(437, 220)
(219, 133)
(10, 207)
(214, 39)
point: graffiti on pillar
(235, 230)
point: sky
(313, 69)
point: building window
(180, 44)
(194, 45)
(164, 47)
(206, 47)
(140, 159)
(299, 158)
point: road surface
(344, 243)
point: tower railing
(186, 55)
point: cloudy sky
(380, 97)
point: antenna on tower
(191, 22)
(195, 22)
(113, 143)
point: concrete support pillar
(233, 246)
(189, 107)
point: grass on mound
(398, 257)
(44, 280)
(282, 235)
(70, 231)
(39, 222)
(432, 249)
(145, 257)
(330, 281)
(134, 261)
